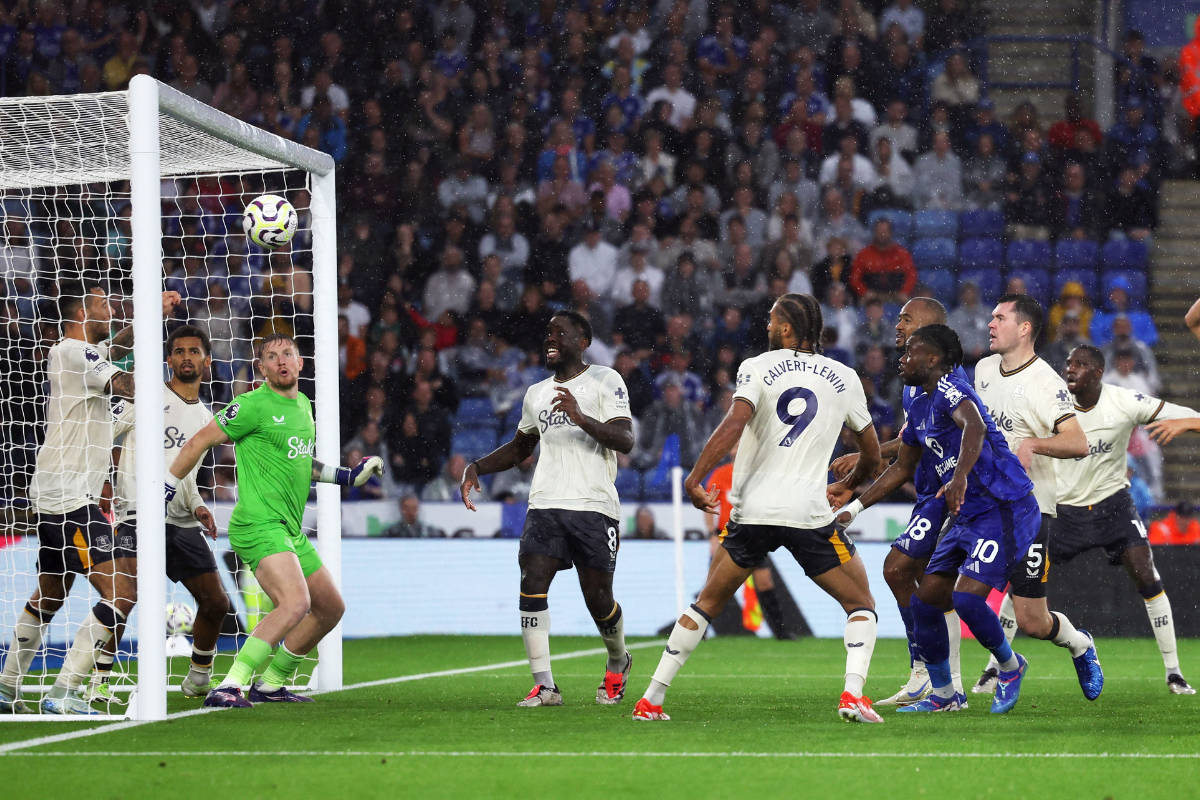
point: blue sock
(933, 641)
(910, 631)
(986, 626)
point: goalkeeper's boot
(71, 705)
(280, 695)
(226, 697)
(917, 689)
(192, 689)
(647, 712)
(1087, 667)
(857, 709)
(542, 696)
(935, 703)
(1008, 687)
(612, 688)
(1175, 683)
(100, 692)
(10, 703)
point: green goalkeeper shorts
(255, 544)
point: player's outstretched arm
(122, 343)
(615, 435)
(1068, 441)
(506, 456)
(1192, 319)
(895, 476)
(974, 429)
(1164, 431)
(844, 465)
(348, 476)
(190, 454)
(715, 449)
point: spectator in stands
(957, 88)
(508, 243)
(670, 415)
(840, 224)
(1189, 82)
(883, 415)
(1078, 210)
(1131, 210)
(1135, 142)
(683, 102)
(188, 82)
(410, 525)
(324, 130)
(950, 25)
(939, 176)
(1062, 134)
(810, 26)
(1073, 297)
(638, 270)
(593, 261)
(754, 219)
(236, 96)
(970, 321)
(896, 128)
(863, 172)
(1181, 525)
(986, 124)
(352, 351)
(984, 176)
(548, 257)
(875, 330)
(449, 287)
(421, 442)
(639, 325)
(1069, 336)
(1142, 366)
(1028, 202)
(462, 186)
(525, 328)
(743, 282)
(1122, 369)
(884, 267)
(655, 162)
(841, 315)
(1142, 323)
(444, 488)
(641, 390)
(910, 19)
(644, 526)
(895, 182)
(900, 77)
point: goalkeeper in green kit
(274, 437)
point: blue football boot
(1087, 667)
(1008, 687)
(935, 703)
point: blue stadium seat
(629, 484)
(990, 284)
(513, 418)
(982, 225)
(1137, 286)
(1144, 329)
(1086, 277)
(1037, 283)
(476, 412)
(473, 443)
(1028, 255)
(1076, 253)
(936, 223)
(942, 283)
(981, 254)
(935, 253)
(1125, 254)
(902, 222)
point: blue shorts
(991, 546)
(920, 538)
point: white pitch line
(588, 754)
(12, 748)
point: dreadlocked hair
(945, 341)
(795, 312)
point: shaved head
(929, 310)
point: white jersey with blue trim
(801, 400)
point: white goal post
(145, 135)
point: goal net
(108, 201)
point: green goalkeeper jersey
(274, 438)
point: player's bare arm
(895, 476)
(718, 446)
(1068, 441)
(1164, 431)
(122, 343)
(1192, 318)
(844, 465)
(615, 435)
(121, 385)
(207, 521)
(974, 429)
(190, 454)
(506, 456)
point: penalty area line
(588, 754)
(14, 748)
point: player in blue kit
(996, 517)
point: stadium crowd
(667, 169)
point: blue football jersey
(924, 481)
(997, 477)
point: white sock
(860, 644)
(679, 646)
(89, 639)
(954, 630)
(535, 631)
(27, 638)
(1078, 643)
(1159, 610)
(612, 631)
(1008, 621)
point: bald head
(917, 313)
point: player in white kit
(68, 491)
(581, 417)
(788, 411)
(1031, 406)
(1094, 506)
(190, 561)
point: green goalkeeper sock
(281, 669)
(253, 655)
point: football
(180, 618)
(270, 221)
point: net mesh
(64, 171)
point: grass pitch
(751, 718)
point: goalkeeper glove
(172, 484)
(352, 476)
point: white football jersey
(574, 471)
(182, 419)
(1027, 403)
(75, 459)
(800, 400)
(1108, 424)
